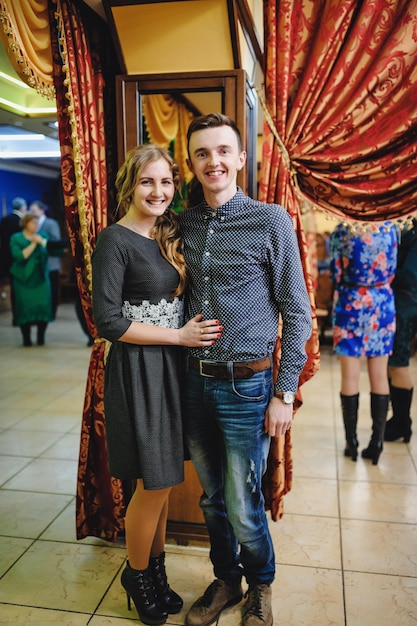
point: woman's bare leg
(400, 377)
(350, 370)
(378, 374)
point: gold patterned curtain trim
(38, 77)
(79, 179)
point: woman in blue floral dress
(363, 263)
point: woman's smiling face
(154, 190)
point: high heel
(395, 430)
(139, 587)
(170, 600)
(373, 452)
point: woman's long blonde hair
(166, 229)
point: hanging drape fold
(167, 121)
(341, 89)
(24, 30)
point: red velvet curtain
(81, 47)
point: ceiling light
(27, 110)
(30, 155)
(15, 81)
(22, 137)
(18, 144)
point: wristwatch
(286, 396)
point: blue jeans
(224, 430)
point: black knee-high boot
(350, 406)
(25, 328)
(400, 423)
(379, 410)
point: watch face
(288, 397)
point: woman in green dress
(31, 279)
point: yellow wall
(175, 36)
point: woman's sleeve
(22, 269)
(109, 261)
(16, 249)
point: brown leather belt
(221, 370)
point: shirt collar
(232, 206)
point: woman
(363, 265)
(30, 277)
(139, 276)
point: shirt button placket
(207, 314)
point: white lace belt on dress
(164, 313)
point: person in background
(9, 225)
(30, 278)
(51, 227)
(245, 269)
(139, 277)
(405, 292)
(363, 261)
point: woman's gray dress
(131, 280)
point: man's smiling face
(215, 159)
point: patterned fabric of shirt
(363, 266)
(245, 270)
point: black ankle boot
(170, 600)
(139, 586)
(350, 419)
(379, 410)
(400, 423)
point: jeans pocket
(254, 389)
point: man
(405, 292)
(9, 225)
(245, 270)
(51, 228)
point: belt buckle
(201, 362)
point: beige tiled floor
(346, 548)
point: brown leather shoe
(217, 597)
(257, 610)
